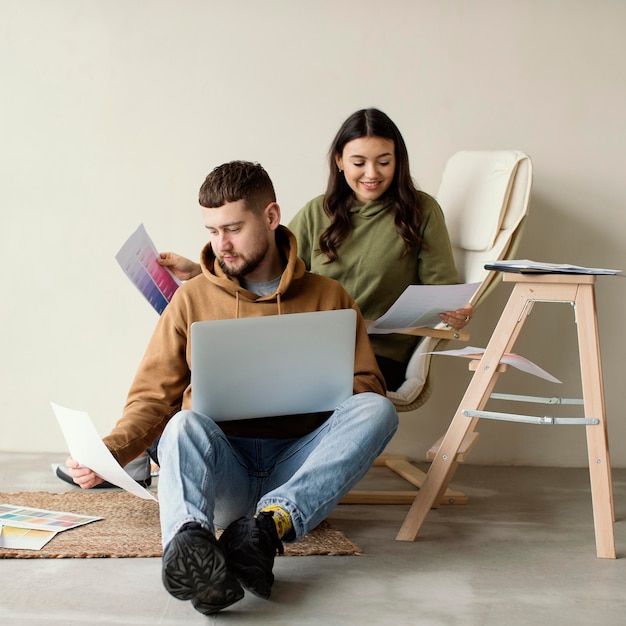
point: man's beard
(248, 266)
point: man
(211, 474)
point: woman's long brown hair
(402, 197)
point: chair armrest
(438, 333)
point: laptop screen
(272, 365)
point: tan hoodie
(162, 383)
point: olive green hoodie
(162, 383)
(372, 264)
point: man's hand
(458, 319)
(84, 477)
(182, 268)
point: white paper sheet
(86, 447)
(514, 360)
(419, 306)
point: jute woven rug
(130, 528)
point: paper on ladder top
(525, 266)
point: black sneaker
(194, 568)
(250, 545)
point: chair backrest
(485, 197)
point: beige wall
(112, 112)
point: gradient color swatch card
(41, 519)
(138, 257)
(12, 538)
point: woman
(373, 231)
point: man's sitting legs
(316, 471)
(198, 467)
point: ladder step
(466, 446)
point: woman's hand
(182, 268)
(458, 319)
(84, 477)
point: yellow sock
(281, 518)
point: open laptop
(272, 365)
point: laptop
(272, 365)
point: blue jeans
(213, 479)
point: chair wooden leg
(402, 466)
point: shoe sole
(195, 569)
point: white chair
(484, 196)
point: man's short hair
(237, 180)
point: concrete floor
(521, 552)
